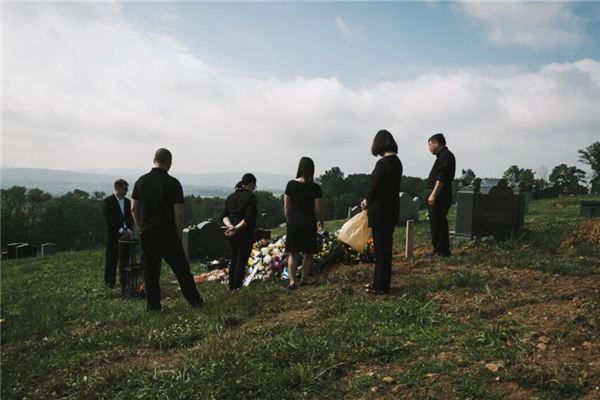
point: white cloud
(83, 88)
(530, 24)
(347, 29)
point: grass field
(518, 319)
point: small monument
(49, 249)
(589, 208)
(352, 211)
(25, 250)
(409, 208)
(207, 239)
(491, 209)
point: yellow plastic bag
(355, 232)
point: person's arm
(135, 211)
(376, 181)
(179, 217)
(286, 207)
(319, 213)
(434, 193)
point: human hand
(126, 234)
(431, 199)
(320, 226)
(364, 205)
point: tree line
(74, 220)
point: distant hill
(57, 182)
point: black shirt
(302, 201)
(443, 170)
(383, 198)
(157, 192)
(241, 205)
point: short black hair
(306, 169)
(163, 156)
(119, 183)
(383, 142)
(438, 137)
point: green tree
(334, 186)
(591, 156)
(522, 178)
(568, 179)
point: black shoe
(375, 291)
(109, 285)
(153, 309)
(198, 303)
(292, 287)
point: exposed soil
(588, 232)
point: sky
(255, 86)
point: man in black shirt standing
(157, 208)
(440, 199)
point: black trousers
(438, 223)
(382, 240)
(156, 245)
(241, 246)
(113, 256)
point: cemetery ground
(518, 319)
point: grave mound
(588, 232)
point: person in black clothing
(157, 207)
(239, 216)
(119, 225)
(440, 199)
(303, 207)
(383, 205)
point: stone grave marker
(25, 250)
(207, 239)
(49, 249)
(11, 250)
(409, 208)
(495, 210)
(589, 208)
(352, 211)
(262, 221)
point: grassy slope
(64, 336)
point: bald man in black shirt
(440, 198)
(157, 208)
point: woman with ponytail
(239, 216)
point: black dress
(302, 224)
(384, 205)
(240, 205)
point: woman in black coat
(239, 216)
(303, 207)
(383, 205)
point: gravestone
(352, 211)
(589, 208)
(11, 250)
(260, 234)
(262, 221)
(206, 239)
(25, 250)
(497, 211)
(409, 208)
(548, 193)
(49, 249)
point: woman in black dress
(239, 216)
(303, 207)
(383, 204)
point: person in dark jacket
(440, 199)
(239, 216)
(383, 205)
(303, 207)
(158, 209)
(119, 226)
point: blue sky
(236, 87)
(359, 43)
